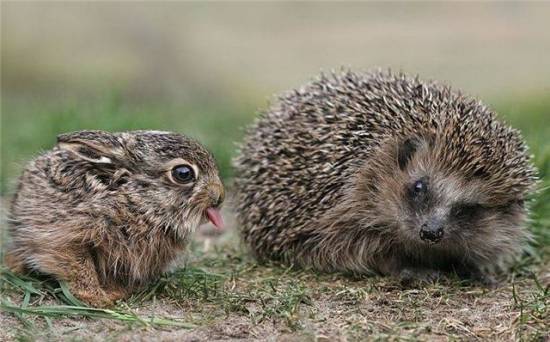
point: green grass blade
(22, 282)
(67, 310)
(68, 296)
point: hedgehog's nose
(432, 231)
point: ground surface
(204, 70)
(223, 294)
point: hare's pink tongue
(215, 217)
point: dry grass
(223, 294)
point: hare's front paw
(99, 297)
(115, 294)
(93, 297)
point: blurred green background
(205, 69)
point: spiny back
(300, 157)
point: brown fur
(324, 179)
(101, 211)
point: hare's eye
(183, 174)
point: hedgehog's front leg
(413, 276)
(477, 275)
(404, 272)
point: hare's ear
(93, 146)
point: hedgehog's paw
(484, 279)
(415, 276)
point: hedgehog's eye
(418, 191)
(183, 174)
(465, 210)
(419, 187)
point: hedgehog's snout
(432, 231)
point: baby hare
(107, 212)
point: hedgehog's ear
(406, 151)
(94, 146)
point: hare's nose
(216, 193)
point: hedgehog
(386, 173)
